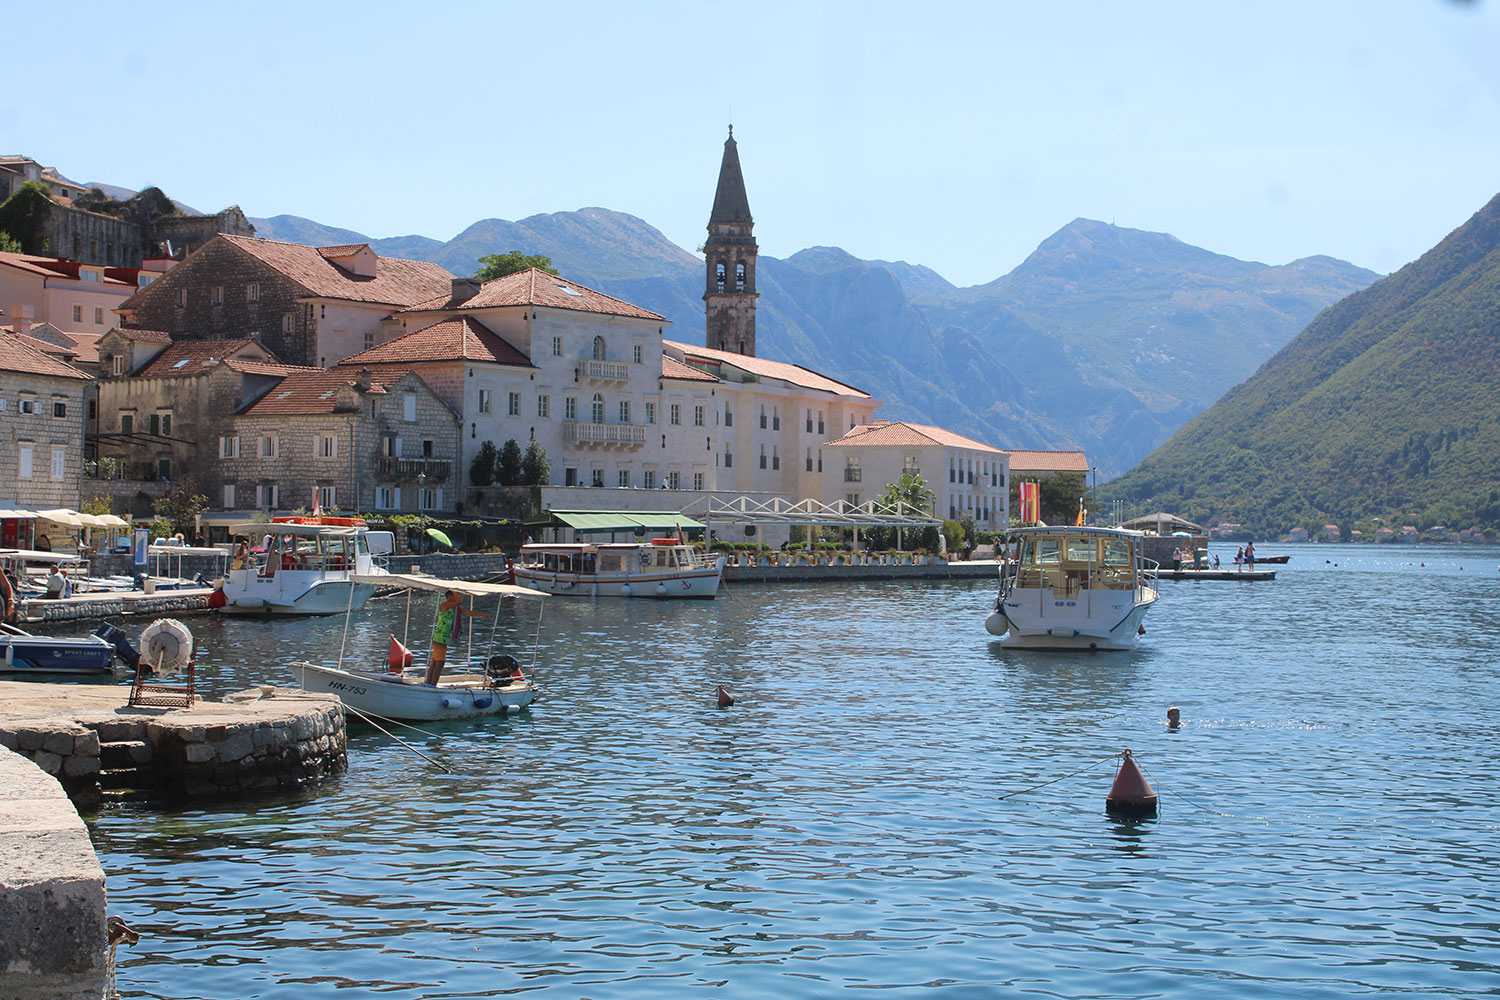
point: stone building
(163, 405)
(729, 293)
(773, 419)
(351, 439)
(311, 306)
(964, 475)
(536, 356)
(41, 428)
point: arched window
(719, 275)
(739, 276)
(598, 348)
(598, 408)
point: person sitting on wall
(57, 584)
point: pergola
(1162, 523)
(744, 511)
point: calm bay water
(1329, 821)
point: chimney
(464, 289)
(362, 380)
(21, 317)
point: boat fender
(510, 572)
(166, 646)
(661, 590)
(218, 599)
(483, 702)
(451, 702)
(624, 590)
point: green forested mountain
(1386, 406)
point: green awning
(586, 522)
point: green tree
(498, 265)
(534, 468)
(23, 216)
(96, 506)
(181, 506)
(9, 244)
(912, 492)
(482, 469)
(508, 467)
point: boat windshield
(1069, 563)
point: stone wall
(220, 264)
(52, 904)
(41, 431)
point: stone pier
(52, 936)
(87, 737)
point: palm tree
(908, 494)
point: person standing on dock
(442, 632)
(1239, 559)
(1250, 556)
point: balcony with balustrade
(610, 436)
(408, 469)
(602, 371)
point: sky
(952, 135)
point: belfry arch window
(598, 348)
(719, 275)
(598, 409)
(739, 276)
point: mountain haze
(1387, 405)
(1106, 339)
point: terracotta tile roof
(396, 282)
(343, 250)
(56, 267)
(194, 357)
(460, 339)
(144, 336)
(903, 433)
(1047, 461)
(793, 374)
(534, 287)
(250, 367)
(309, 391)
(672, 368)
(45, 346)
(17, 355)
(86, 345)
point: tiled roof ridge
(42, 364)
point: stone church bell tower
(729, 295)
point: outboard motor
(502, 666)
(128, 654)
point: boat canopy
(257, 528)
(587, 522)
(419, 581)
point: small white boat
(1074, 588)
(663, 568)
(392, 691)
(297, 566)
(404, 696)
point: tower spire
(729, 294)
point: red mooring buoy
(725, 698)
(1131, 794)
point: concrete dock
(1245, 575)
(114, 604)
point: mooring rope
(1054, 781)
(371, 721)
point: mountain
(1106, 339)
(1386, 406)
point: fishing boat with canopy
(492, 684)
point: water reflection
(842, 827)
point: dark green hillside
(1387, 405)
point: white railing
(577, 430)
(616, 370)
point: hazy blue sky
(952, 135)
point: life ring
(166, 646)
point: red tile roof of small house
(396, 282)
(193, 357)
(535, 287)
(17, 355)
(460, 339)
(1047, 461)
(311, 391)
(672, 368)
(903, 433)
